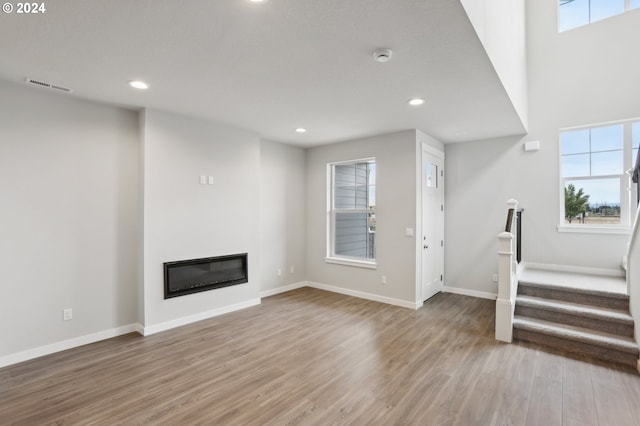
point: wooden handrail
(509, 221)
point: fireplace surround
(195, 275)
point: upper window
(595, 185)
(352, 213)
(576, 13)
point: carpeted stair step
(606, 346)
(573, 295)
(615, 321)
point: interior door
(432, 223)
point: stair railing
(633, 273)
(507, 275)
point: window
(576, 13)
(351, 220)
(595, 185)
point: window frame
(331, 256)
(627, 8)
(628, 204)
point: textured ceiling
(271, 67)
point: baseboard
(283, 289)
(363, 295)
(472, 293)
(198, 317)
(576, 269)
(67, 344)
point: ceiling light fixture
(416, 102)
(137, 84)
(301, 130)
(257, 1)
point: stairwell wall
(584, 76)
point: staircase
(576, 313)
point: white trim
(417, 235)
(283, 289)
(199, 317)
(576, 269)
(351, 262)
(599, 124)
(472, 293)
(428, 150)
(331, 256)
(363, 295)
(591, 229)
(431, 150)
(67, 344)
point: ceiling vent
(48, 85)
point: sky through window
(576, 13)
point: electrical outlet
(279, 272)
(383, 279)
(291, 270)
(495, 278)
(67, 314)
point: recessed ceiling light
(301, 130)
(416, 101)
(257, 1)
(137, 84)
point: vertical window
(593, 162)
(352, 212)
(576, 13)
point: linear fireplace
(195, 275)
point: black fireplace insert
(196, 275)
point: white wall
(579, 77)
(396, 210)
(185, 220)
(282, 215)
(500, 25)
(68, 217)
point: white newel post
(507, 280)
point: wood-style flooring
(316, 358)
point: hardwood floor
(318, 358)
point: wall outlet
(495, 278)
(291, 270)
(383, 279)
(279, 272)
(67, 314)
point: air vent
(48, 85)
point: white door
(432, 222)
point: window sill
(591, 229)
(352, 262)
